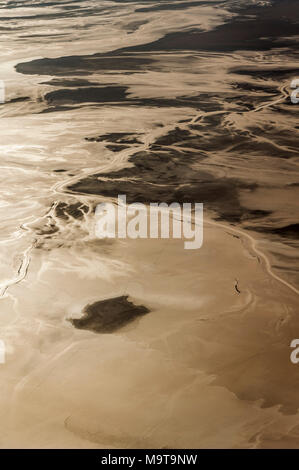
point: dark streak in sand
(19, 99)
(70, 83)
(116, 137)
(290, 231)
(117, 95)
(85, 95)
(258, 27)
(255, 28)
(164, 174)
(169, 177)
(85, 64)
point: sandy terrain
(161, 102)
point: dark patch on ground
(55, 109)
(20, 99)
(76, 210)
(86, 95)
(116, 137)
(258, 27)
(174, 136)
(59, 99)
(169, 177)
(253, 87)
(75, 82)
(119, 95)
(290, 231)
(213, 136)
(78, 65)
(107, 316)
(286, 108)
(133, 26)
(267, 73)
(116, 147)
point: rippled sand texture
(140, 343)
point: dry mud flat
(140, 343)
(207, 366)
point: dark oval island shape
(107, 316)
